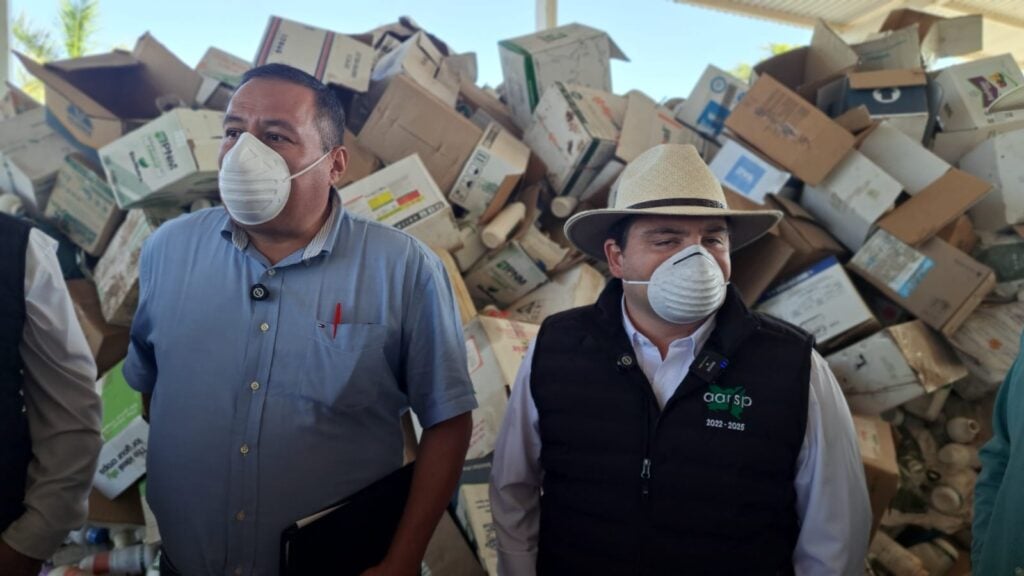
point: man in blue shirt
(998, 544)
(278, 343)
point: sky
(669, 44)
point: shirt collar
(322, 243)
(698, 338)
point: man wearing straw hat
(667, 429)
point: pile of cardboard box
(900, 248)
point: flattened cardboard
(935, 207)
(810, 240)
(408, 120)
(756, 266)
(937, 283)
(790, 131)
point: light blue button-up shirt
(261, 413)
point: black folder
(350, 536)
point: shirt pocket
(344, 371)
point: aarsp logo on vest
(731, 400)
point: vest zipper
(645, 475)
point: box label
(744, 176)
(899, 266)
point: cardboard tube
(959, 455)
(963, 430)
(563, 206)
(895, 558)
(497, 232)
(946, 499)
(938, 556)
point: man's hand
(14, 563)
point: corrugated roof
(1003, 28)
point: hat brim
(588, 230)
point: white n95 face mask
(687, 287)
(254, 181)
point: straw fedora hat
(667, 180)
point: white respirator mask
(687, 287)
(255, 182)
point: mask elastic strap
(638, 282)
(308, 168)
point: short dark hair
(330, 114)
(619, 231)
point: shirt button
(244, 449)
(270, 272)
(264, 327)
(240, 516)
(254, 385)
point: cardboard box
(578, 286)
(940, 37)
(223, 67)
(473, 510)
(330, 57)
(899, 96)
(711, 100)
(851, 199)
(986, 93)
(811, 242)
(989, 340)
(574, 136)
(82, 206)
(823, 301)
(408, 120)
(122, 459)
(125, 509)
(890, 50)
(646, 124)
(960, 234)
(404, 196)
(419, 59)
(573, 54)
(361, 162)
(902, 157)
(87, 98)
(509, 339)
(448, 553)
(936, 282)
(491, 390)
(31, 154)
(108, 343)
(805, 69)
(790, 131)
(756, 266)
(746, 172)
(935, 207)
(171, 160)
(492, 172)
(14, 101)
(117, 272)
(998, 160)
(505, 276)
(894, 366)
(881, 470)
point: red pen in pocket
(337, 320)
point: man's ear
(613, 254)
(339, 163)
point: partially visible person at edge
(50, 414)
(997, 546)
(278, 341)
(667, 429)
